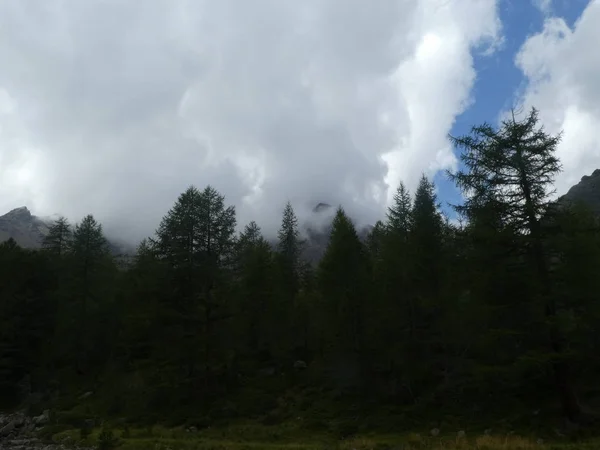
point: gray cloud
(113, 108)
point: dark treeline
(494, 316)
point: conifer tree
(58, 239)
(426, 238)
(196, 241)
(289, 247)
(90, 254)
(259, 316)
(421, 313)
(345, 283)
(375, 240)
(89, 304)
(399, 216)
(511, 170)
(393, 293)
(89, 243)
(27, 317)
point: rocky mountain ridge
(587, 192)
(29, 230)
(25, 228)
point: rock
(540, 442)
(16, 433)
(461, 434)
(27, 230)
(85, 395)
(435, 432)
(7, 429)
(300, 365)
(19, 420)
(587, 192)
(43, 418)
(488, 431)
(321, 207)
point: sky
(114, 109)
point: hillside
(29, 230)
(25, 228)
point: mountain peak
(587, 191)
(321, 207)
(20, 212)
(26, 229)
(594, 174)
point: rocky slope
(26, 229)
(19, 432)
(587, 192)
(29, 231)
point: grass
(251, 436)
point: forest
(427, 323)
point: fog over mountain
(114, 109)
(29, 230)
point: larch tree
(59, 237)
(399, 215)
(288, 273)
(196, 241)
(258, 316)
(90, 251)
(344, 279)
(394, 297)
(422, 305)
(512, 170)
(289, 247)
(426, 238)
(91, 284)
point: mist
(114, 109)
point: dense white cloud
(114, 108)
(562, 70)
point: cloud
(545, 6)
(562, 67)
(112, 108)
